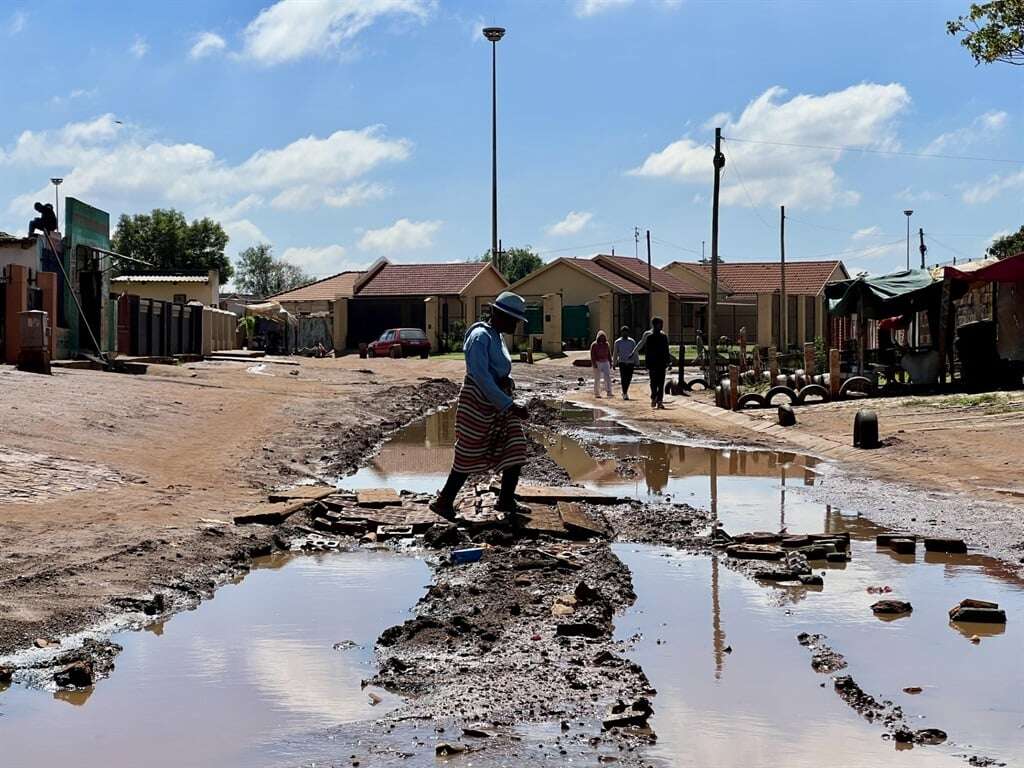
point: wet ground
(734, 687)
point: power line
(948, 247)
(873, 247)
(659, 241)
(868, 150)
(581, 247)
(739, 178)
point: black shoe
(447, 511)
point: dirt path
(110, 483)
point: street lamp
(494, 34)
(908, 214)
(56, 198)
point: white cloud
(325, 260)
(867, 232)
(586, 8)
(910, 195)
(403, 235)
(121, 168)
(293, 29)
(139, 48)
(758, 174)
(988, 190)
(573, 222)
(243, 233)
(76, 93)
(307, 196)
(16, 24)
(982, 127)
(206, 44)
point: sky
(342, 131)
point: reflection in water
(225, 683)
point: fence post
(773, 366)
(809, 364)
(734, 386)
(833, 373)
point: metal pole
(494, 153)
(719, 163)
(783, 307)
(923, 248)
(908, 213)
(650, 284)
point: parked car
(412, 341)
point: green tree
(167, 241)
(1007, 245)
(516, 263)
(992, 31)
(261, 274)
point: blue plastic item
(470, 555)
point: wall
(207, 293)
(218, 329)
(87, 226)
(576, 287)
(307, 307)
(14, 253)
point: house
(28, 280)
(440, 298)
(581, 296)
(751, 296)
(178, 288)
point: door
(90, 290)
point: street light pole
(908, 214)
(56, 197)
(494, 34)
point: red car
(412, 341)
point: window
(180, 298)
(413, 334)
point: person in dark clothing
(46, 222)
(654, 344)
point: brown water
(251, 678)
(225, 684)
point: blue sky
(345, 130)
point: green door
(575, 323)
(534, 319)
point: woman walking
(624, 358)
(601, 363)
(489, 432)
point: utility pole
(783, 307)
(650, 285)
(923, 247)
(494, 34)
(702, 259)
(908, 213)
(636, 242)
(56, 197)
(719, 163)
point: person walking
(601, 364)
(624, 358)
(654, 343)
(489, 425)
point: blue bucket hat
(511, 304)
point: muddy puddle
(228, 682)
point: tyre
(424, 355)
(370, 352)
(750, 398)
(810, 390)
(780, 390)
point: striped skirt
(486, 440)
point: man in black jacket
(47, 220)
(654, 344)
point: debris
(879, 590)
(823, 658)
(344, 645)
(311, 492)
(385, 532)
(621, 715)
(378, 497)
(546, 494)
(585, 594)
(903, 546)
(755, 552)
(374, 698)
(270, 513)
(77, 674)
(837, 557)
(578, 523)
(581, 629)
(883, 539)
(41, 642)
(953, 546)
(979, 611)
(811, 580)
(446, 749)
(442, 535)
(891, 607)
(478, 732)
(6, 674)
(929, 736)
(758, 537)
(468, 555)
(913, 690)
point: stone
(903, 546)
(270, 513)
(883, 539)
(77, 674)
(954, 546)
(836, 557)
(776, 576)
(623, 715)
(41, 642)
(560, 609)
(377, 497)
(795, 542)
(447, 749)
(6, 675)
(311, 492)
(578, 523)
(891, 607)
(811, 580)
(586, 594)
(758, 537)
(544, 494)
(981, 611)
(929, 736)
(385, 532)
(442, 535)
(579, 629)
(755, 551)
(913, 690)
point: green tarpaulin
(898, 293)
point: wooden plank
(576, 520)
(271, 513)
(311, 492)
(546, 494)
(377, 497)
(544, 519)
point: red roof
(805, 278)
(326, 289)
(1009, 270)
(621, 283)
(637, 271)
(421, 279)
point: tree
(992, 31)
(1007, 245)
(516, 263)
(261, 274)
(167, 241)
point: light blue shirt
(488, 362)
